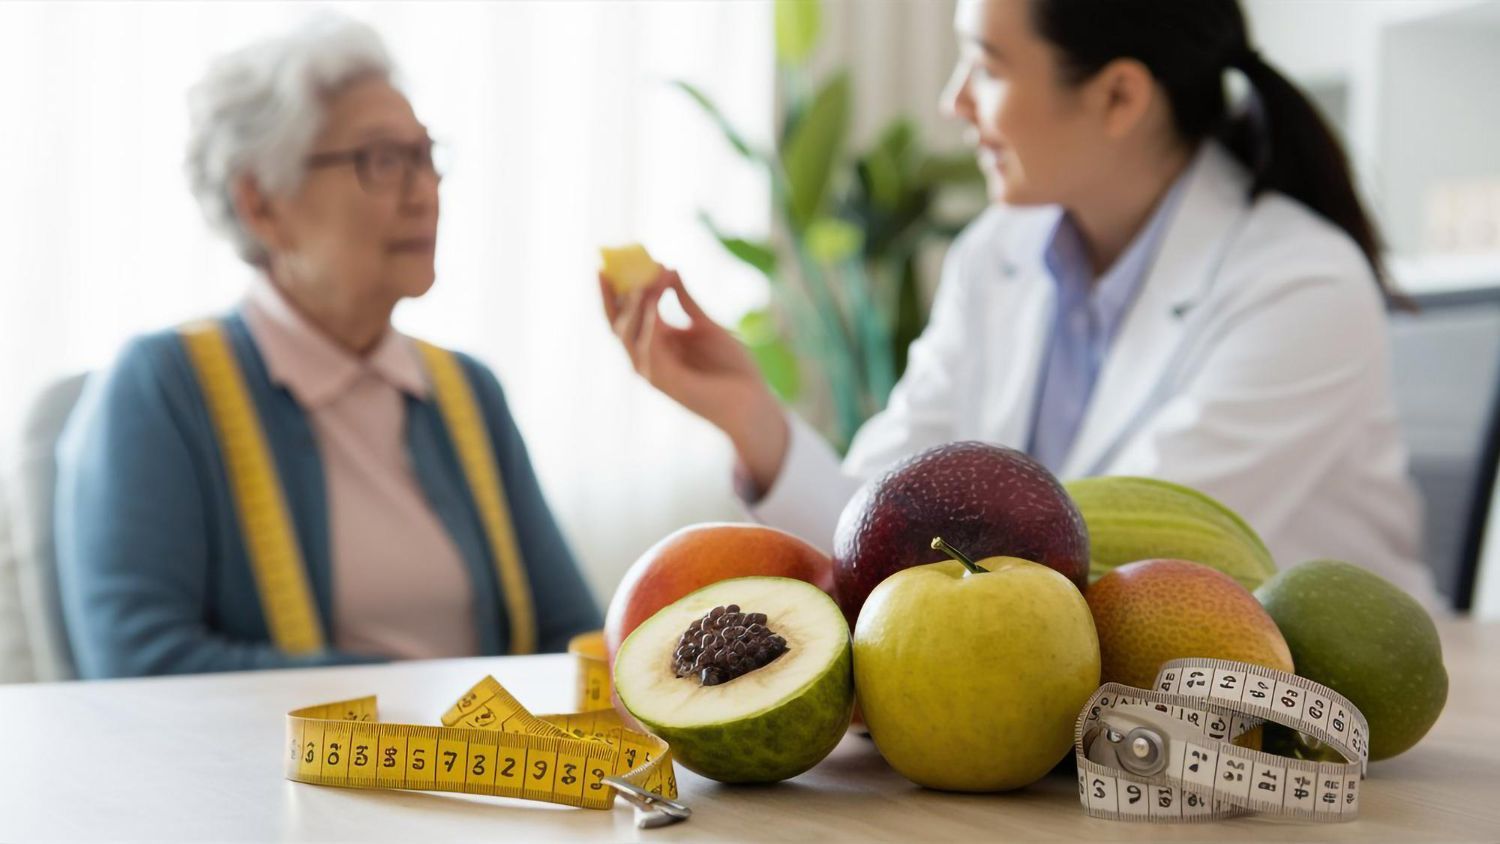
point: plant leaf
(798, 25)
(756, 326)
(756, 253)
(814, 147)
(730, 133)
(877, 363)
(910, 314)
(882, 173)
(897, 139)
(776, 360)
(832, 241)
(950, 169)
(886, 169)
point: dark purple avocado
(985, 500)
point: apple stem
(939, 545)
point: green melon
(769, 724)
(1132, 519)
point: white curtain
(565, 136)
(899, 54)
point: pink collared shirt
(400, 587)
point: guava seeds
(725, 644)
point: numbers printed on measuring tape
(1194, 711)
(488, 744)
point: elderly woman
(297, 483)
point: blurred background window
(566, 133)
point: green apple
(971, 676)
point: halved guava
(771, 722)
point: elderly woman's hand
(702, 367)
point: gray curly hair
(258, 109)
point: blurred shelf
(1409, 83)
(1436, 273)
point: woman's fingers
(689, 304)
(642, 353)
(627, 322)
(636, 324)
(611, 301)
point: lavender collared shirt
(1087, 318)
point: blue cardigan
(151, 562)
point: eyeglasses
(384, 165)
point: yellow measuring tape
(275, 558)
(490, 744)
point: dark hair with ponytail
(1187, 45)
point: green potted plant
(848, 227)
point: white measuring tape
(1166, 756)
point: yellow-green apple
(971, 675)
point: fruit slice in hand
(749, 680)
(628, 268)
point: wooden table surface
(199, 758)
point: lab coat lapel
(1210, 211)
(1018, 325)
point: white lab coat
(1253, 365)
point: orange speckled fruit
(1153, 611)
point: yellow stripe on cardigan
(275, 558)
(467, 430)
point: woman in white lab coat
(1163, 287)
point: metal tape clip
(1135, 738)
(651, 810)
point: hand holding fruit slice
(628, 268)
